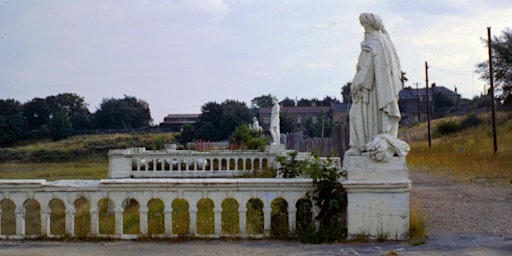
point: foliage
(313, 127)
(345, 92)
(263, 101)
(128, 112)
(447, 127)
(186, 134)
(60, 126)
(289, 166)
(417, 225)
(12, 124)
(450, 126)
(466, 155)
(243, 135)
(501, 47)
(287, 102)
(443, 101)
(481, 101)
(39, 112)
(218, 121)
(328, 195)
(285, 123)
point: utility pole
(418, 101)
(428, 107)
(491, 79)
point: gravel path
(456, 207)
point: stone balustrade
(28, 207)
(142, 163)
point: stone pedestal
(378, 197)
(275, 148)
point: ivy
(328, 195)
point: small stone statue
(374, 89)
(256, 125)
(275, 130)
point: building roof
(412, 94)
(298, 110)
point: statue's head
(275, 100)
(371, 20)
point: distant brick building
(176, 121)
(413, 104)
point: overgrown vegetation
(466, 154)
(329, 196)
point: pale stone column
(266, 220)
(143, 220)
(20, 221)
(193, 220)
(168, 220)
(119, 221)
(377, 197)
(292, 219)
(218, 220)
(95, 227)
(45, 221)
(242, 220)
(70, 221)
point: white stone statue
(275, 130)
(374, 89)
(256, 125)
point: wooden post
(491, 79)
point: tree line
(57, 117)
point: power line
(455, 72)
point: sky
(178, 55)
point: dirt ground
(464, 219)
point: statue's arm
(365, 73)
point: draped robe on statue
(374, 91)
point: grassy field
(77, 157)
(467, 155)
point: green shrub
(471, 120)
(447, 127)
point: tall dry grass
(466, 155)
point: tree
(287, 102)
(128, 112)
(75, 107)
(285, 123)
(305, 102)
(218, 121)
(327, 101)
(60, 126)
(501, 48)
(313, 128)
(263, 101)
(12, 123)
(186, 134)
(345, 92)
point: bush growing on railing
(328, 195)
(244, 138)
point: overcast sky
(179, 54)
